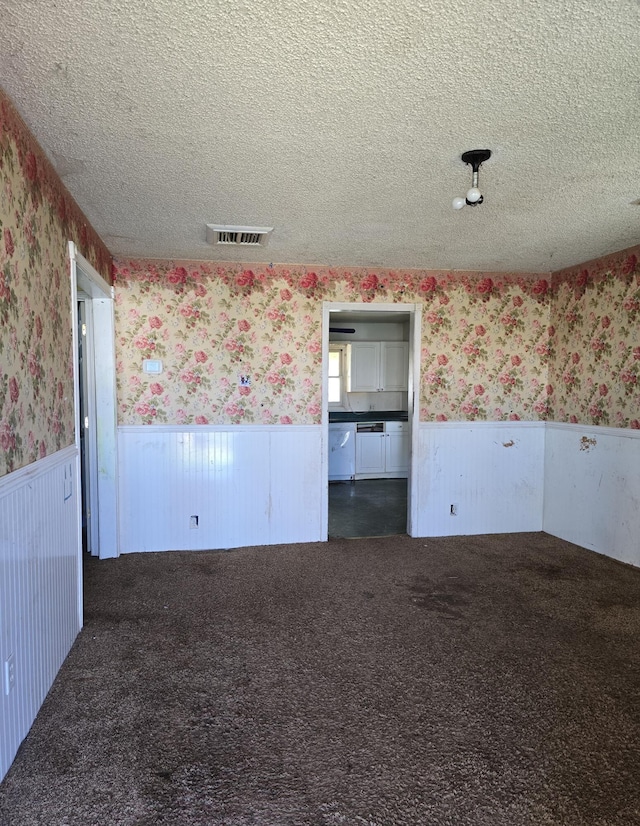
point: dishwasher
(342, 451)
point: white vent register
(223, 235)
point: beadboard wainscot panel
(40, 610)
(492, 472)
(247, 485)
(592, 488)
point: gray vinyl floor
(368, 507)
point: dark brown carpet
(488, 681)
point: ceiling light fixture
(475, 157)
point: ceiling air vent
(226, 236)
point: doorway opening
(371, 358)
(95, 408)
(87, 429)
(367, 507)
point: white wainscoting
(248, 485)
(592, 488)
(39, 587)
(264, 485)
(493, 472)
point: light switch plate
(152, 366)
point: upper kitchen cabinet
(378, 365)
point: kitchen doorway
(367, 507)
(371, 362)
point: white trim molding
(18, 478)
(619, 432)
(215, 428)
(414, 313)
(101, 296)
(483, 425)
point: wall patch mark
(586, 443)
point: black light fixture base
(474, 157)
(474, 203)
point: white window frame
(341, 347)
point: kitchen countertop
(336, 416)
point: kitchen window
(336, 375)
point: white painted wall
(492, 471)
(39, 586)
(592, 488)
(248, 486)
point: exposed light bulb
(458, 202)
(474, 195)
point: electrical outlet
(9, 674)
(453, 510)
(193, 521)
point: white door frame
(86, 279)
(90, 483)
(415, 347)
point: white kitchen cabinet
(378, 365)
(397, 450)
(394, 365)
(383, 454)
(370, 453)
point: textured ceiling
(340, 123)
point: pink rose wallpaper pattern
(486, 341)
(37, 219)
(494, 346)
(595, 373)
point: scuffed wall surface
(595, 371)
(37, 219)
(485, 347)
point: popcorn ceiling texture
(341, 124)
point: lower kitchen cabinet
(383, 454)
(370, 453)
(397, 449)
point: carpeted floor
(481, 681)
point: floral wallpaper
(486, 346)
(595, 371)
(37, 219)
